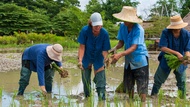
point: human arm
(118, 46)
(59, 64)
(41, 78)
(116, 57)
(168, 50)
(80, 55)
(105, 55)
(40, 67)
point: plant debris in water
(62, 72)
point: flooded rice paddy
(69, 91)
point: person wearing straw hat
(93, 50)
(38, 58)
(174, 40)
(131, 36)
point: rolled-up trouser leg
(181, 83)
(100, 81)
(24, 80)
(49, 74)
(159, 78)
(86, 80)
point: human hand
(107, 62)
(113, 51)
(63, 73)
(44, 92)
(115, 58)
(79, 65)
(180, 56)
(186, 60)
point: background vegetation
(39, 21)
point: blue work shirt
(180, 44)
(94, 46)
(39, 59)
(138, 58)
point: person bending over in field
(38, 58)
(174, 40)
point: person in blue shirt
(38, 58)
(93, 50)
(174, 40)
(131, 36)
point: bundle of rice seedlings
(120, 88)
(108, 62)
(172, 61)
(62, 72)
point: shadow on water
(69, 91)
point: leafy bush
(5, 40)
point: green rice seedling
(13, 104)
(62, 72)
(116, 101)
(160, 96)
(181, 102)
(148, 102)
(60, 103)
(120, 88)
(172, 61)
(1, 92)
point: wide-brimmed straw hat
(176, 22)
(55, 52)
(128, 14)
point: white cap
(96, 19)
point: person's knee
(25, 76)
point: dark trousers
(99, 80)
(161, 76)
(25, 77)
(139, 76)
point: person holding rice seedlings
(93, 50)
(175, 40)
(131, 36)
(38, 58)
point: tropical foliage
(64, 18)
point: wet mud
(70, 90)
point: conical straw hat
(128, 14)
(176, 22)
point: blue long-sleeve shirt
(180, 44)
(39, 59)
(94, 46)
(136, 59)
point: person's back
(32, 52)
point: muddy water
(70, 90)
